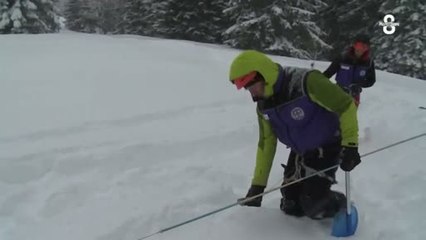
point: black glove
(253, 191)
(355, 89)
(349, 158)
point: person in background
(354, 68)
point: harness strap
(299, 163)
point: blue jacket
(351, 71)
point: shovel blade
(344, 224)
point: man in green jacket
(311, 115)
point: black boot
(291, 207)
(336, 203)
(325, 207)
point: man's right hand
(253, 191)
(349, 158)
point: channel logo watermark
(389, 25)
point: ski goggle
(246, 80)
(360, 46)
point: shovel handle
(348, 193)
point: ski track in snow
(126, 122)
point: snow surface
(114, 138)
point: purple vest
(349, 74)
(302, 124)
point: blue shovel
(346, 221)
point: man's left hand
(349, 158)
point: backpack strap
(282, 81)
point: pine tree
(307, 33)
(72, 9)
(210, 21)
(404, 51)
(48, 14)
(342, 20)
(82, 16)
(281, 27)
(201, 21)
(135, 19)
(143, 17)
(110, 13)
(5, 22)
(17, 17)
(30, 16)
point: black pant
(312, 195)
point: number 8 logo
(389, 24)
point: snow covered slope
(114, 138)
